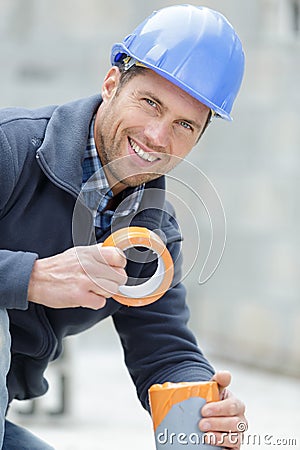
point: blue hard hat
(195, 48)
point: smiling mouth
(141, 153)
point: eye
(185, 125)
(150, 102)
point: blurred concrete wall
(250, 308)
(58, 50)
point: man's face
(145, 128)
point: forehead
(167, 92)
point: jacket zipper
(52, 178)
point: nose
(158, 132)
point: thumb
(223, 378)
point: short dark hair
(128, 74)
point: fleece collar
(64, 144)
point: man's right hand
(80, 276)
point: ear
(110, 83)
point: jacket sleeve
(157, 342)
(15, 271)
(15, 267)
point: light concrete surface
(105, 413)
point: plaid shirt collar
(96, 190)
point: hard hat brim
(119, 49)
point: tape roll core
(159, 283)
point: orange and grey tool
(176, 412)
(159, 283)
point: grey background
(56, 51)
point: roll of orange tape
(159, 283)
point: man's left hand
(225, 419)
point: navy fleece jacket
(40, 179)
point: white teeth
(144, 155)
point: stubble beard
(116, 165)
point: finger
(106, 288)
(111, 274)
(231, 406)
(223, 378)
(94, 301)
(226, 424)
(113, 256)
(98, 271)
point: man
(179, 68)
